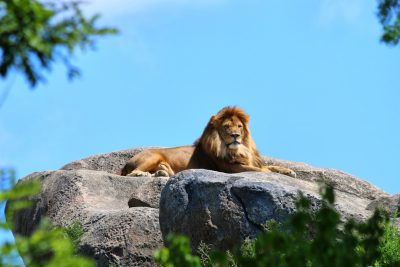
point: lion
(225, 145)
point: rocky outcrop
(222, 209)
(121, 216)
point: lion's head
(227, 137)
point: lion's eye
(240, 126)
(226, 126)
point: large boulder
(121, 216)
(223, 209)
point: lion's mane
(215, 147)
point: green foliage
(177, 254)
(389, 16)
(203, 251)
(390, 246)
(34, 34)
(47, 246)
(18, 193)
(74, 232)
(306, 239)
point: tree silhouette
(35, 34)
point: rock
(121, 216)
(223, 209)
(114, 233)
(389, 203)
(342, 181)
(111, 163)
(147, 194)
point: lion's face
(227, 136)
(231, 131)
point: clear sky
(317, 83)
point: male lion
(225, 145)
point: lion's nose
(235, 135)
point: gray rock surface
(117, 232)
(389, 203)
(111, 163)
(120, 215)
(222, 209)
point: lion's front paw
(287, 172)
(137, 173)
(161, 173)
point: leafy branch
(389, 16)
(33, 35)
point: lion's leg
(164, 170)
(144, 164)
(282, 170)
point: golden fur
(225, 145)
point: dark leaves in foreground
(389, 16)
(34, 34)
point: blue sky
(319, 86)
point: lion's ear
(245, 119)
(213, 119)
